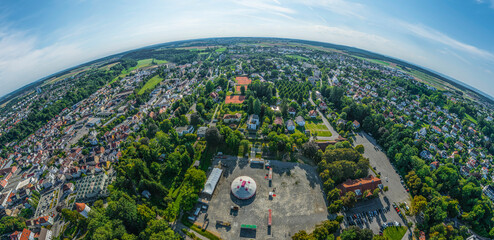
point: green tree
(10, 224)
(195, 119)
(349, 199)
(213, 136)
(360, 148)
(257, 107)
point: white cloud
(265, 6)
(439, 37)
(21, 62)
(341, 7)
(489, 2)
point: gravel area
(299, 202)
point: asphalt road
(380, 161)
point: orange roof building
(359, 186)
(83, 209)
(243, 80)
(24, 235)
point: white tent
(213, 179)
(243, 187)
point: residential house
(201, 132)
(323, 106)
(278, 121)
(228, 118)
(356, 124)
(434, 165)
(290, 125)
(313, 114)
(489, 192)
(253, 122)
(184, 130)
(26, 234)
(41, 221)
(300, 121)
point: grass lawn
(324, 133)
(220, 49)
(298, 57)
(470, 118)
(150, 84)
(317, 126)
(394, 233)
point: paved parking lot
(299, 202)
(372, 214)
(379, 160)
(389, 176)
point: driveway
(334, 134)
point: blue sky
(453, 37)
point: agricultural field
(70, 74)
(108, 66)
(315, 126)
(430, 80)
(373, 60)
(140, 64)
(427, 79)
(150, 84)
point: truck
(223, 223)
(198, 210)
(235, 208)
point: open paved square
(299, 202)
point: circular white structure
(243, 187)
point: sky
(39, 38)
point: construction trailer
(269, 218)
(248, 226)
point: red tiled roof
(80, 206)
(368, 183)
